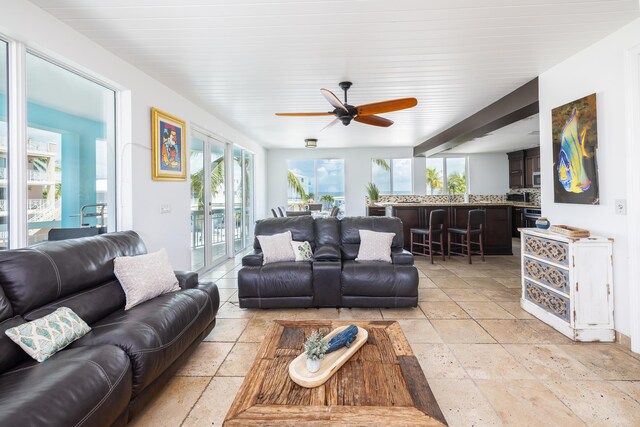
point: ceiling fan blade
(333, 100)
(374, 120)
(333, 122)
(386, 106)
(303, 114)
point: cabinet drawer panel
(550, 301)
(548, 249)
(554, 277)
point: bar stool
(436, 230)
(475, 227)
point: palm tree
(382, 163)
(217, 181)
(457, 183)
(296, 185)
(434, 179)
(327, 199)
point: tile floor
(488, 362)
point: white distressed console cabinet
(567, 283)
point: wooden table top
(382, 384)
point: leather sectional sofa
(107, 376)
(334, 278)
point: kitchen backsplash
(456, 198)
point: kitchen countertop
(414, 204)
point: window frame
(17, 131)
(445, 187)
(315, 177)
(391, 167)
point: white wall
(357, 170)
(488, 173)
(141, 197)
(600, 69)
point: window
(446, 175)
(392, 176)
(316, 181)
(4, 176)
(70, 151)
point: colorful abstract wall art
(168, 147)
(575, 144)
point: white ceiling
(244, 60)
(516, 136)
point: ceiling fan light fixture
(310, 143)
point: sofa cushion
(301, 227)
(350, 228)
(156, 332)
(42, 338)
(110, 295)
(10, 353)
(145, 276)
(282, 279)
(5, 307)
(76, 387)
(378, 279)
(327, 231)
(36, 276)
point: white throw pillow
(302, 251)
(375, 246)
(144, 277)
(276, 248)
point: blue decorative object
(543, 223)
(343, 339)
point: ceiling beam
(517, 105)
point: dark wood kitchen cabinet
(516, 169)
(517, 221)
(531, 165)
(522, 165)
(411, 218)
(375, 211)
(498, 219)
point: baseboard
(623, 340)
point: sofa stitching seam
(149, 350)
(111, 388)
(55, 268)
(69, 297)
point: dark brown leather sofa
(333, 278)
(107, 376)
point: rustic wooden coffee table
(382, 384)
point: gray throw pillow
(276, 248)
(144, 277)
(375, 246)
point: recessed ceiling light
(310, 143)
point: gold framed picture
(168, 147)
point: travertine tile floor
(487, 361)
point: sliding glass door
(242, 198)
(208, 205)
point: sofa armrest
(252, 260)
(401, 256)
(327, 253)
(186, 279)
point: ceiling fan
(365, 113)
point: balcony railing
(43, 176)
(42, 147)
(217, 226)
